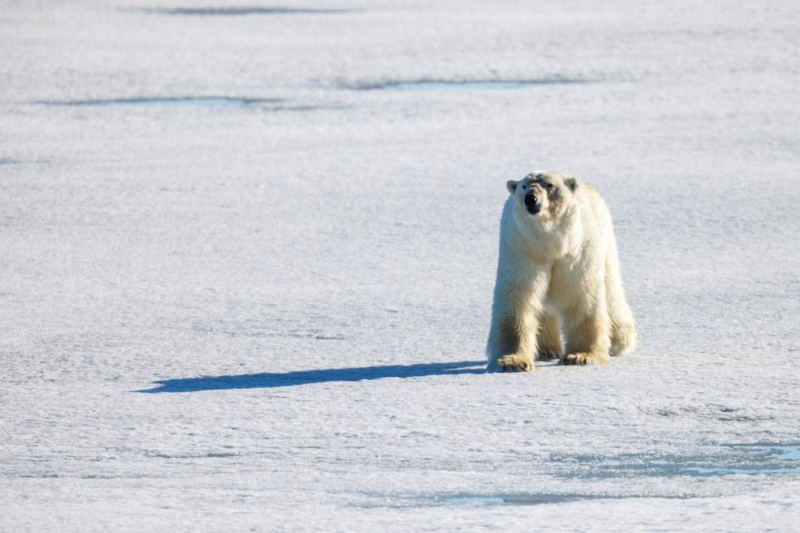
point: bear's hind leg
(623, 325)
(549, 338)
(623, 338)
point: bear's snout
(532, 204)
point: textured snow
(247, 254)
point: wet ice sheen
(517, 499)
(772, 460)
(774, 456)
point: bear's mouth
(532, 205)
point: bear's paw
(515, 363)
(585, 358)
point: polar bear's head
(543, 194)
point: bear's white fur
(558, 271)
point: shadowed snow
(292, 379)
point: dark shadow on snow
(269, 380)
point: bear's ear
(512, 186)
(571, 184)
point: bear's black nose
(532, 205)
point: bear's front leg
(588, 338)
(549, 338)
(510, 347)
(517, 304)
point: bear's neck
(547, 239)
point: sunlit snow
(247, 254)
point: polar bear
(558, 271)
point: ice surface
(239, 292)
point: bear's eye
(547, 186)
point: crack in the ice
(166, 101)
(439, 84)
(237, 11)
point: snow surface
(247, 255)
